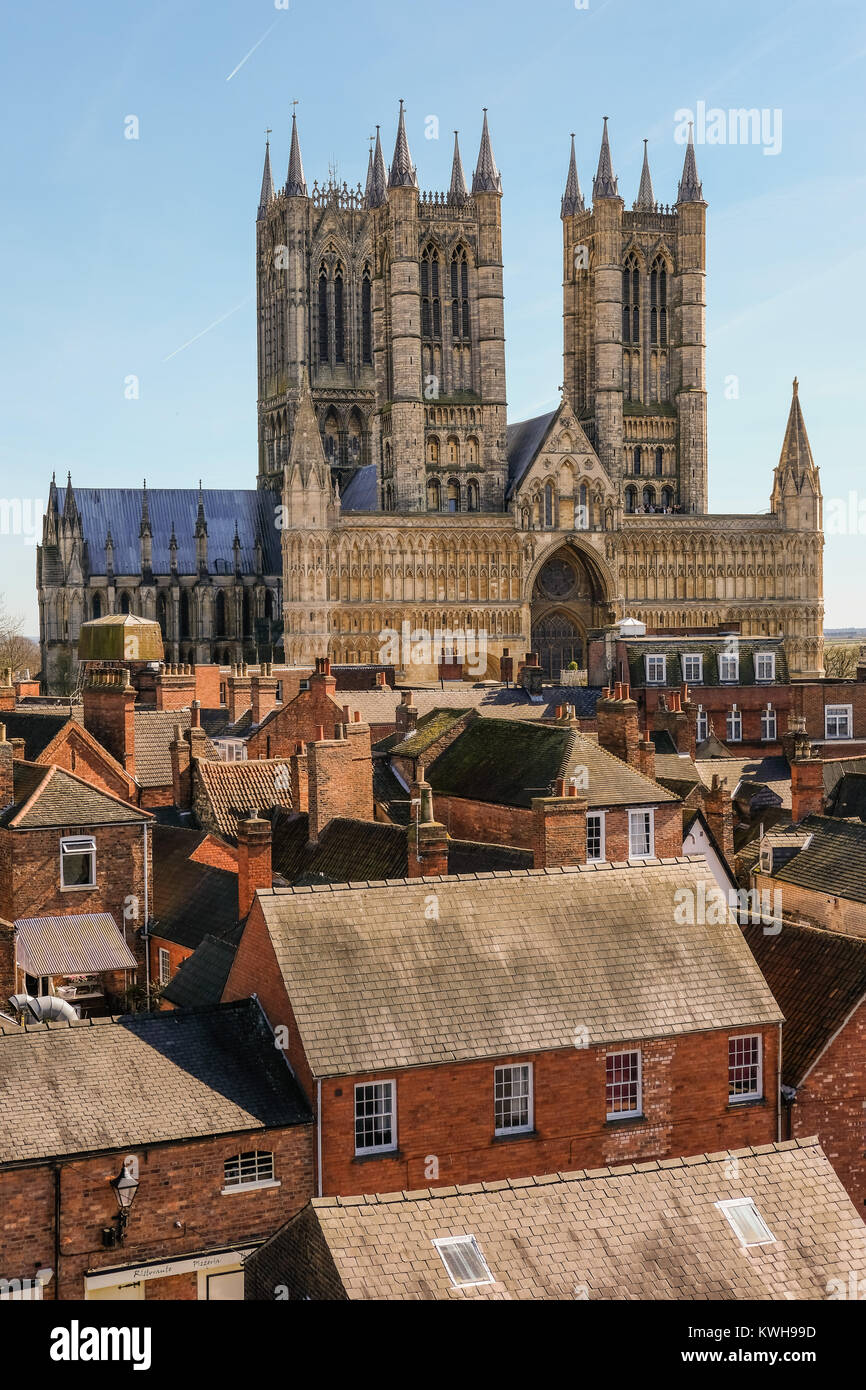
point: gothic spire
(796, 457)
(368, 186)
(379, 186)
(69, 507)
(144, 528)
(486, 177)
(402, 169)
(458, 192)
(267, 183)
(572, 199)
(306, 452)
(645, 196)
(604, 185)
(296, 186)
(690, 190)
(200, 523)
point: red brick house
(58, 740)
(495, 1025)
(819, 980)
(71, 854)
(198, 1109)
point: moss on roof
(503, 761)
(430, 727)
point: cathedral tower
(634, 333)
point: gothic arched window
(125, 605)
(96, 607)
(631, 300)
(247, 613)
(366, 317)
(433, 495)
(548, 504)
(630, 499)
(636, 460)
(649, 497)
(339, 317)
(220, 614)
(472, 496)
(161, 613)
(431, 309)
(660, 461)
(453, 495)
(184, 614)
(459, 294)
(667, 498)
(323, 314)
(432, 449)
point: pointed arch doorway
(570, 595)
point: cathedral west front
(391, 489)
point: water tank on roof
(120, 637)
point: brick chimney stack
(181, 770)
(559, 827)
(531, 674)
(7, 776)
(175, 686)
(719, 811)
(796, 743)
(109, 714)
(240, 697)
(299, 778)
(428, 840)
(618, 728)
(807, 771)
(670, 715)
(340, 777)
(406, 716)
(7, 691)
(254, 860)
(264, 693)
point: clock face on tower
(557, 578)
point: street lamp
(125, 1187)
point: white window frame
(264, 1179)
(366, 1150)
(837, 712)
(443, 1242)
(728, 1210)
(769, 721)
(747, 1095)
(693, 656)
(765, 656)
(638, 1111)
(504, 1130)
(164, 961)
(725, 657)
(703, 723)
(734, 725)
(599, 858)
(644, 811)
(78, 844)
(649, 665)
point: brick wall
(298, 1260)
(825, 910)
(77, 754)
(340, 778)
(716, 701)
(178, 1182)
(831, 1103)
(812, 697)
(513, 825)
(109, 715)
(30, 876)
(446, 1113)
(299, 720)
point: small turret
(486, 178)
(201, 535)
(572, 198)
(267, 193)
(604, 185)
(296, 186)
(402, 173)
(690, 190)
(645, 201)
(796, 496)
(379, 186)
(458, 192)
(145, 537)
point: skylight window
(463, 1261)
(747, 1222)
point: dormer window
(729, 666)
(765, 666)
(656, 669)
(693, 668)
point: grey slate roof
(647, 1231)
(153, 731)
(190, 899)
(514, 963)
(362, 491)
(120, 509)
(833, 862)
(522, 442)
(200, 980)
(141, 1079)
(50, 796)
(36, 729)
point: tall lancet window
(658, 302)
(323, 314)
(631, 300)
(431, 304)
(339, 317)
(459, 294)
(366, 317)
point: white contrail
(251, 52)
(215, 323)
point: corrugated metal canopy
(74, 945)
(254, 511)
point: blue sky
(119, 252)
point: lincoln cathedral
(390, 485)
